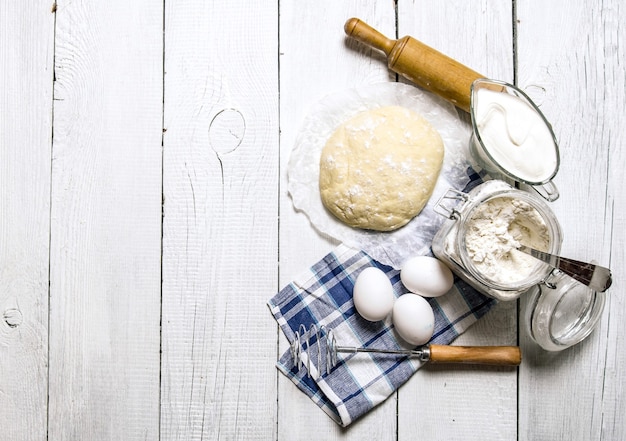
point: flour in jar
(495, 231)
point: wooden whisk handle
(494, 355)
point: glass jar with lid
(563, 312)
(487, 223)
(477, 240)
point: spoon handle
(595, 277)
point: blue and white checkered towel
(323, 297)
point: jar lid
(563, 312)
(511, 137)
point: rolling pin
(420, 63)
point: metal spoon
(595, 277)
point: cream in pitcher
(512, 137)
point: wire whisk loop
(301, 349)
(323, 359)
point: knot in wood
(226, 130)
(13, 317)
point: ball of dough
(378, 169)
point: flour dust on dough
(378, 169)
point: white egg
(373, 294)
(413, 319)
(426, 276)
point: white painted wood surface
(105, 216)
(145, 222)
(220, 223)
(26, 70)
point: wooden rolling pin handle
(420, 63)
(366, 34)
(493, 355)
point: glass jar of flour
(483, 231)
(479, 242)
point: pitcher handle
(547, 190)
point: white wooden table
(145, 222)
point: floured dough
(378, 169)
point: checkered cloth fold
(322, 296)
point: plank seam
(52, 105)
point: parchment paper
(391, 248)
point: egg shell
(426, 276)
(413, 319)
(373, 294)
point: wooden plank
(444, 402)
(317, 60)
(574, 67)
(26, 60)
(613, 326)
(105, 254)
(614, 318)
(220, 220)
